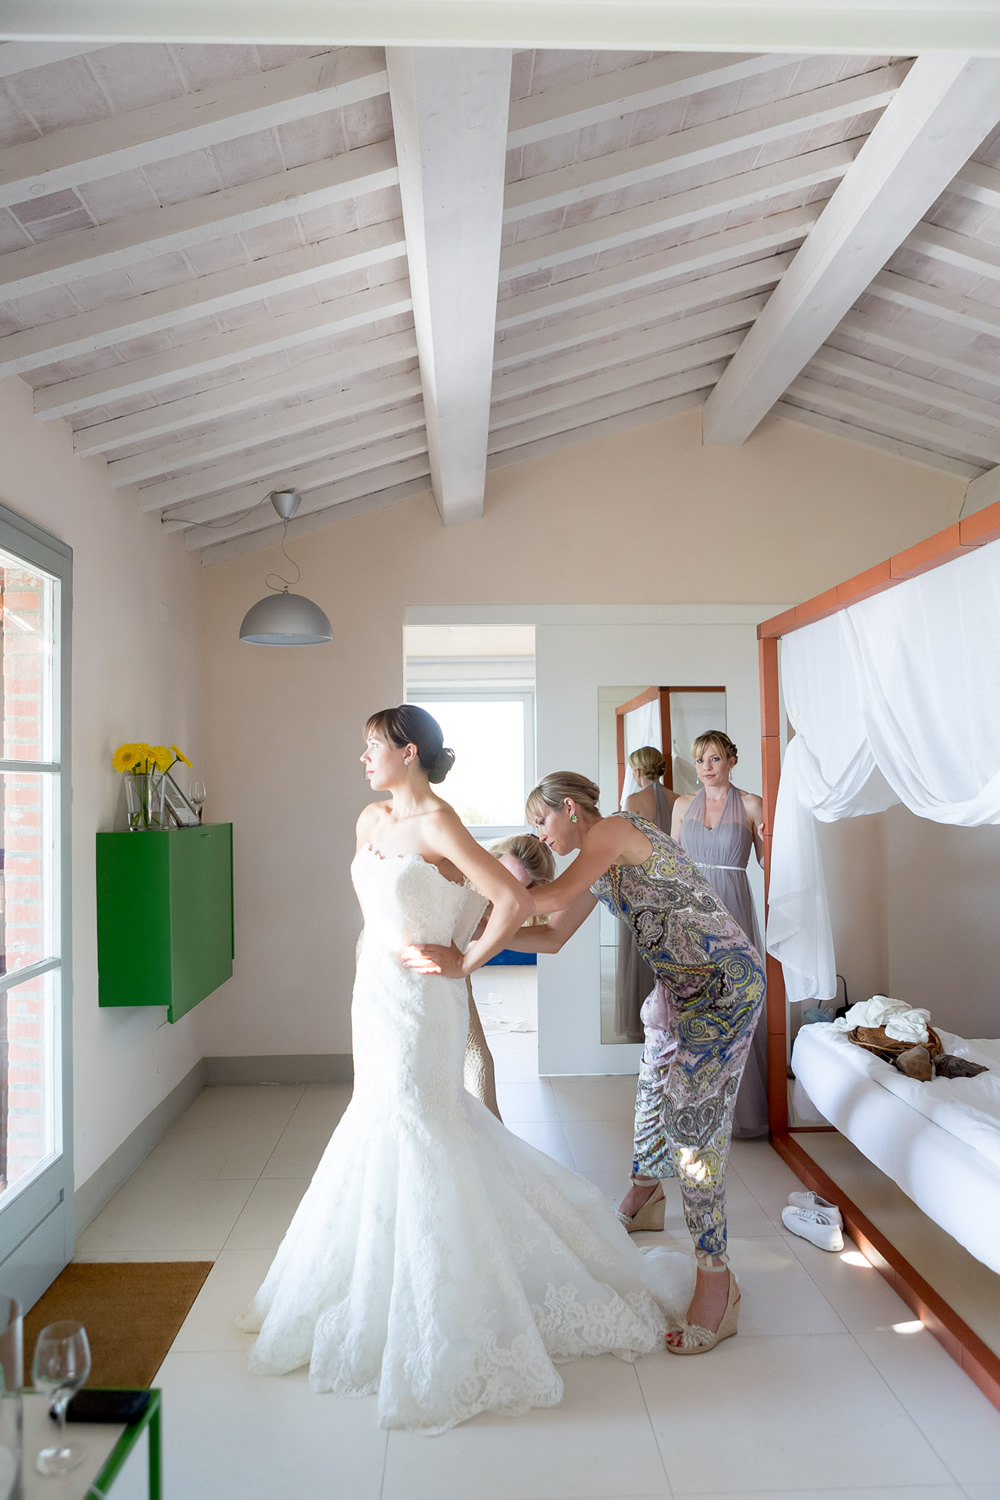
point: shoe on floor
(813, 1200)
(813, 1225)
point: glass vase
(11, 1387)
(144, 800)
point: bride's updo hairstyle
(411, 725)
(553, 790)
(719, 742)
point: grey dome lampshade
(282, 618)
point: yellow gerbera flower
(181, 756)
(161, 757)
(125, 757)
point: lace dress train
(436, 1258)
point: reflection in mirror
(628, 718)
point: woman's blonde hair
(553, 790)
(529, 851)
(719, 741)
(650, 761)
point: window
(492, 734)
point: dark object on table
(947, 1066)
(915, 1062)
(107, 1406)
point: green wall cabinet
(164, 916)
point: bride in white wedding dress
(436, 1258)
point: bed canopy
(891, 687)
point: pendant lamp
(282, 618)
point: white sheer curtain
(642, 727)
(896, 699)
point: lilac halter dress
(721, 854)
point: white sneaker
(813, 1225)
(813, 1200)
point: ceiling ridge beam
(337, 370)
(682, 355)
(944, 109)
(640, 416)
(204, 356)
(917, 347)
(314, 520)
(890, 286)
(401, 463)
(608, 96)
(888, 378)
(450, 109)
(896, 421)
(202, 297)
(700, 144)
(220, 442)
(754, 276)
(194, 121)
(283, 456)
(676, 211)
(708, 251)
(848, 432)
(179, 226)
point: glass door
(36, 1229)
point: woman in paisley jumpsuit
(699, 1020)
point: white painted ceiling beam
(235, 437)
(636, 25)
(644, 416)
(887, 378)
(977, 256)
(362, 464)
(895, 340)
(652, 344)
(191, 122)
(449, 110)
(693, 256)
(978, 183)
(608, 96)
(605, 406)
(878, 440)
(711, 200)
(894, 421)
(21, 57)
(942, 112)
(982, 491)
(315, 520)
(335, 371)
(203, 356)
(740, 281)
(284, 456)
(698, 375)
(179, 226)
(200, 297)
(889, 286)
(701, 144)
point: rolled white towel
(873, 1012)
(909, 1026)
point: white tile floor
(820, 1395)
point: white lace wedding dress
(436, 1258)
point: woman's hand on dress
(432, 958)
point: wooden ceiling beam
(190, 122)
(895, 421)
(896, 447)
(179, 226)
(945, 108)
(449, 110)
(700, 145)
(669, 344)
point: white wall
(136, 655)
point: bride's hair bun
(442, 765)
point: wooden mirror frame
(979, 1361)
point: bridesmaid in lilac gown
(718, 827)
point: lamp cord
(284, 584)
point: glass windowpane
(27, 866)
(486, 784)
(27, 1079)
(26, 650)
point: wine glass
(197, 795)
(60, 1367)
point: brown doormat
(132, 1311)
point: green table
(108, 1445)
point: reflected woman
(633, 978)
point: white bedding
(939, 1141)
